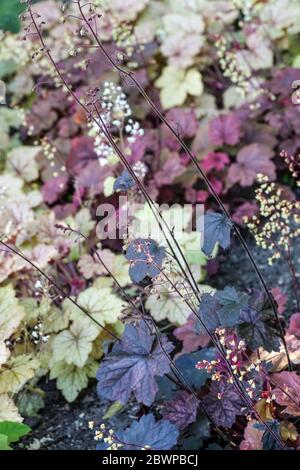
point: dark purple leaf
(248, 209)
(268, 439)
(168, 139)
(124, 182)
(223, 403)
(208, 312)
(145, 257)
(259, 134)
(221, 309)
(256, 324)
(217, 229)
(67, 128)
(132, 366)
(186, 363)
(197, 433)
(282, 82)
(182, 409)
(54, 188)
(231, 303)
(148, 143)
(158, 435)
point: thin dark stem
(146, 318)
(236, 230)
(237, 384)
(118, 151)
(295, 280)
(115, 147)
(57, 287)
(158, 217)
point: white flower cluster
(133, 130)
(246, 7)
(114, 102)
(140, 169)
(117, 113)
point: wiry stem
(118, 152)
(57, 287)
(107, 134)
(145, 318)
(209, 185)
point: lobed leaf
(132, 366)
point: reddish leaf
(281, 299)
(93, 176)
(191, 339)
(251, 160)
(224, 130)
(184, 120)
(54, 188)
(82, 152)
(215, 161)
(248, 209)
(294, 327)
(289, 382)
(170, 170)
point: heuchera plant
(205, 366)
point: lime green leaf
(102, 305)
(17, 372)
(167, 305)
(296, 61)
(71, 379)
(8, 409)
(193, 82)
(13, 430)
(176, 217)
(120, 270)
(9, 304)
(108, 186)
(189, 244)
(117, 264)
(21, 161)
(56, 321)
(30, 403)
(74, 345)
(113, 410)
(8, 322)
(177, 84)
(4, 353)
(13, 186)
(36, 310)
(10, 118)
(4, 442)
(82, 222)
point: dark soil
(63, 426)
(236, 270)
